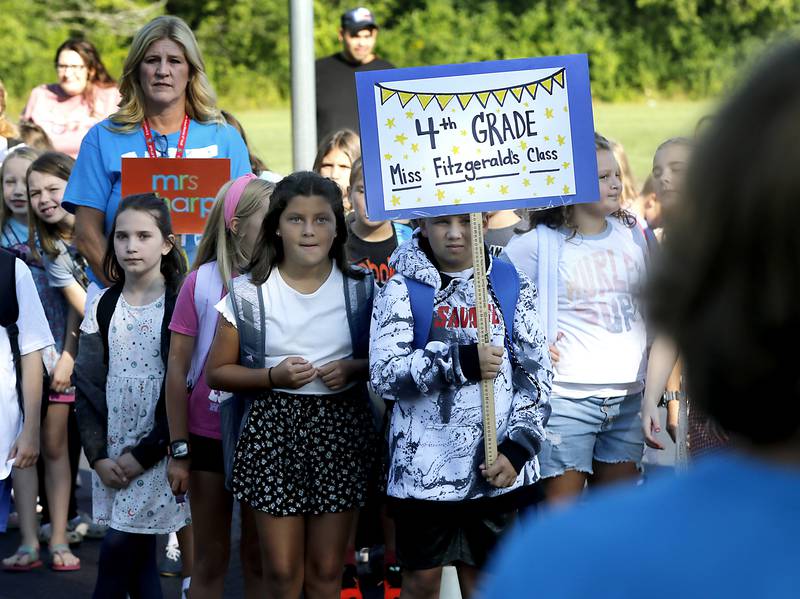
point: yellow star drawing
(387, 156)
(524, 167)
(440, 194)
(504, 189)
(565, 164)
(395, 201)
(453, 110)
(457, 201)
(463, 133)
(566, 108)
(401, 139)
(409, 115)
(415, 147)
(561, 139)
(547, 138)
(497, 110)
(419, 199)
(525, 104)
(405, 156)
(548, 113)
(565, 190)
(471, 190)
(550, 179)
(526, 182)
(523, 144)
(455, 149)
(389, 123)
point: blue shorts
(593, 429)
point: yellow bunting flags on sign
(424, 100)
(386, 94)
(500, 95)
(405, 98)
(484, 96)
(443, 100)
(464, 99)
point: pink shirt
(203, 413)
(66, 119)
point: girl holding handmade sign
(119, 377)
(588, 261)
(193, 409)
(294, 335)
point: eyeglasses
(162, 145)
(70, 67)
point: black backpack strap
(105, 310)
(9, 314)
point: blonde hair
(7, 128)
(25, 153)
(201, 101)
(629, 189)
(220, 243)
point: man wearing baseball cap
(336, 85)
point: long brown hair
(268, 252)
(97, 75)
(173, 265)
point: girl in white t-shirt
(588, 261)
(308, 443)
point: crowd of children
(312, 362)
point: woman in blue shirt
(168, 109)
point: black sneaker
(350, 587)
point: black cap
(357, 19)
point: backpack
(105, 311)
(207, 292)
(503, 282)
(9, 313)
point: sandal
(60, 550)
(27, 552)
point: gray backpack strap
(252, 342)
(252, 336)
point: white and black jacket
(436, 430)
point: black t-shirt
(372, 255)
(336, 92)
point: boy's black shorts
(430, 534)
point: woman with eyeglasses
(168, 109)
(84, 95)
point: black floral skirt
(306, 454)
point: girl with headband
(193, 409)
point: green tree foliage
(636, 47)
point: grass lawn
(640, 127)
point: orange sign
(188, 186)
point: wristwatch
(179, 449)
(669, 396)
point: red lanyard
(151, 146)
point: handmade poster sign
(477, 137)
(188, 186)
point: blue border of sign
(581, 124)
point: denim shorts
(593, 429)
